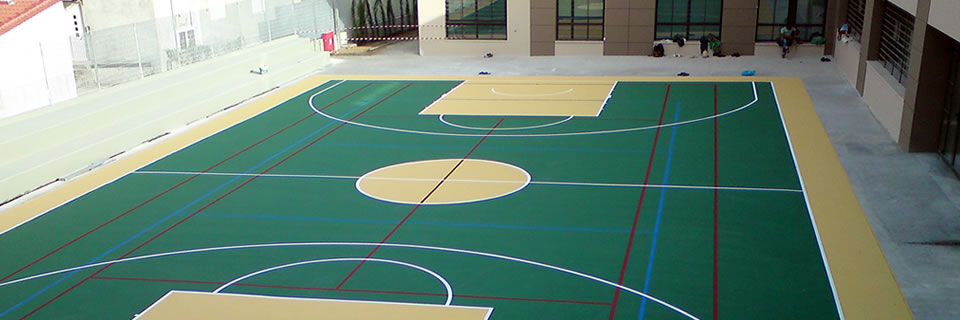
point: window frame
(803, 28)
(573, 22)
(657, 23)
(476, 22)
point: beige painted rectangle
(507, 98)
(186, 305)
(579, 48)
(883, 98)
(557, 108)
(847, 56)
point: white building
(36, 67)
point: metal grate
(896, 32)
(856, 9)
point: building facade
(34, 47)
(903, 56)
(618, 27)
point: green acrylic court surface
(684, 191)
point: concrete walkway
(58, 141)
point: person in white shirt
(788, 35)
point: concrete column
(924, 89)
(738, 28)
(543, 27)
(836, 16)
(641, 26)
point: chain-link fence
(111, 56)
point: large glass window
(692, 19)
(896, 32)
(950, 127)
(477, 19)
(807, 15)
(579, 19)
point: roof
(12, 15)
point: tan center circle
(424, 181)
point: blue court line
(181, 209)
(431, 223)
(525, 148)
(656, 226)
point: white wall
(771, 49)
(38, 64)
(908, 5)
(944, 16)
(433, 14)
(578, 48)
(884, 96)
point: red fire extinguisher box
(327, 41)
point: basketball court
(464, 198)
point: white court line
(580, 133)
(503, 128)
(806, 199)
(172, 152)
(446, 284)
(444, 95)
(494, 90)
(609, 95)
(365, 244)
(559, 183)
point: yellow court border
(863, 281)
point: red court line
(215, 201)
(636, 216)
(716, 212)
(374, 250)
(358, 290)
(174, 187)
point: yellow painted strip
(865, 285)
(184, 305)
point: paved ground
(908, 198)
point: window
(949, 148)
(477, 19)
(692, 19)
(807, 15)
(187, 39)
(896, 31)
(579, 19)
(855, 12)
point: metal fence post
(136, 40)
(93, 58)
(46, 77)
(267, 19)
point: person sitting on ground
(788, 36)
